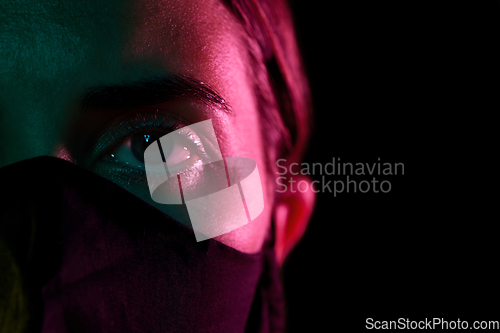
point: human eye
(120, 150)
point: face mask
(80, 254)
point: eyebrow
(155, 90)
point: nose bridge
(29, 129)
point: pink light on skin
(215, 207)
(203, 40)
(63, 153)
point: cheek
(243, 138)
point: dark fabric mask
(80, 254)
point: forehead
(60, 45)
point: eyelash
(122, 129)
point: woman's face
(53, 53)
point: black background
(361, 61)
(378, 74)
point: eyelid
(192, 137)
(120, 129)
(195, 141)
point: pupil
(139, 143)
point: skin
(51, 52)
